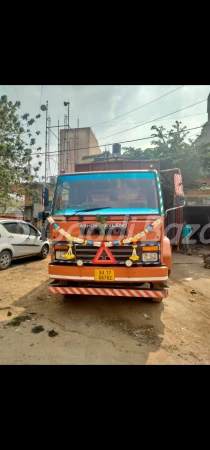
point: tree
(138, 153)
(173, 150)
(15, 152)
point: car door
(15, 238)
(32, 239)
(3, 235)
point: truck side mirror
(45, 196)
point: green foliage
(25, 116)
(31, 121)
(15, 153)
(175, 150)
(138, 153)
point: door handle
(11, 237)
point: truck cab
(107, 229)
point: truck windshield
(121, 192)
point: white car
(19, 239)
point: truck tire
(5, 259)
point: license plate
(104, 275)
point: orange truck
(107, 230)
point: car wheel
(5, 259)
(44, 252)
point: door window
(12, 227)
(28, 229)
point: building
(204, 137)
(75, 143)
(197, 206)
(32, 210)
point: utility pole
(61, 159)
(66, 123)
(65, 141)
(45, 108)
(48, 172)
(58, 148)
(45, 174)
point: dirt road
(104, 330)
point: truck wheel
(44, 252)
(5, 259)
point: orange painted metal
(68, 272)
(143, 273)
(61, 247)
(134, 226)
(150, 248)
(108, 292)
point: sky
(94, 104)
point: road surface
(103, 330)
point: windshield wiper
(89, 209)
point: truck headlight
(60, 255)
(149, 256)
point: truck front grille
(121, 254)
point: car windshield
(125, 192)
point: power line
(56, 162)
(139, 107)
(133, 123)
(153, 120)
(145, 123)
(122, 142)
(194, 134)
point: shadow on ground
(20, 262)
(91, 330)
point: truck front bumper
(110, 292)
(150, 274)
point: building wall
(199, 197)
(70, 141)
(93, 143)
(32, 209)
(204, 137)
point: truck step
(147, 293)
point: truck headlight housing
(149, 256)
(60, 255)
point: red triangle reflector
(106, 250)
